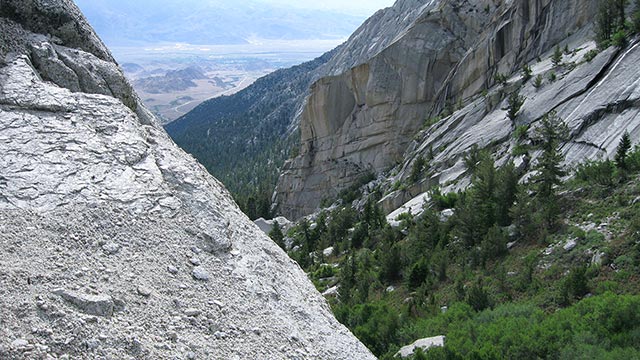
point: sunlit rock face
(114, 243)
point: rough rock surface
(444, 52)
(103, 220)
(598, 100)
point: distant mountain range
(211, 22)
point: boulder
(328, 251)
(267, 225)
(98, 305)
(424, 344)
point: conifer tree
(521, 213)
(636, 17)
(610, 20)
(515, 103)
(556, 58)
(551, 133)
(277, 236)
(623, 149)
(507, 188)
(476, 209)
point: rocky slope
(446, 54)
(115, 243)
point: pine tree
(472, 158)
(526, 72)
(484, 191)
(515, 102)
(619, 13)
(549, 167)
(521, 214)
(623, 149)
(418, 168)
(556, 58)
(636, 18)
(277, 236)
(494, 244)
(476, 209)
(348, 271)
(537, 83)
(576, 283)
(610, 22)
(251, 208)
(604, 24)
(507, 188)
(390, 263)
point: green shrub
(619, 38)
(501, 78)
(594, 238)
(478, 297)
(520, 149)
(598, 172)
(442, 201)
(537, 83)
(431, 121)
(353, 192)
(521, 132)
(576, 283)
(590, 55)
(324, 271)
(526, 72)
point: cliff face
(435, 54)
(115, 243)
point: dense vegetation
(242, 139)
(613, 25)
(504, 261)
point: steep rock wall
(450, 51)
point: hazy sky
(359, 7)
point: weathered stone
(192, 312)
(424, 344)
(267, 225)
(199, 273)
(144, 291)
(328, 251)
(98, 305)
(19, 343)
(570, 245)
(331, 292)
(446, 214)
(110, 248)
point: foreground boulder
(114, 243)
